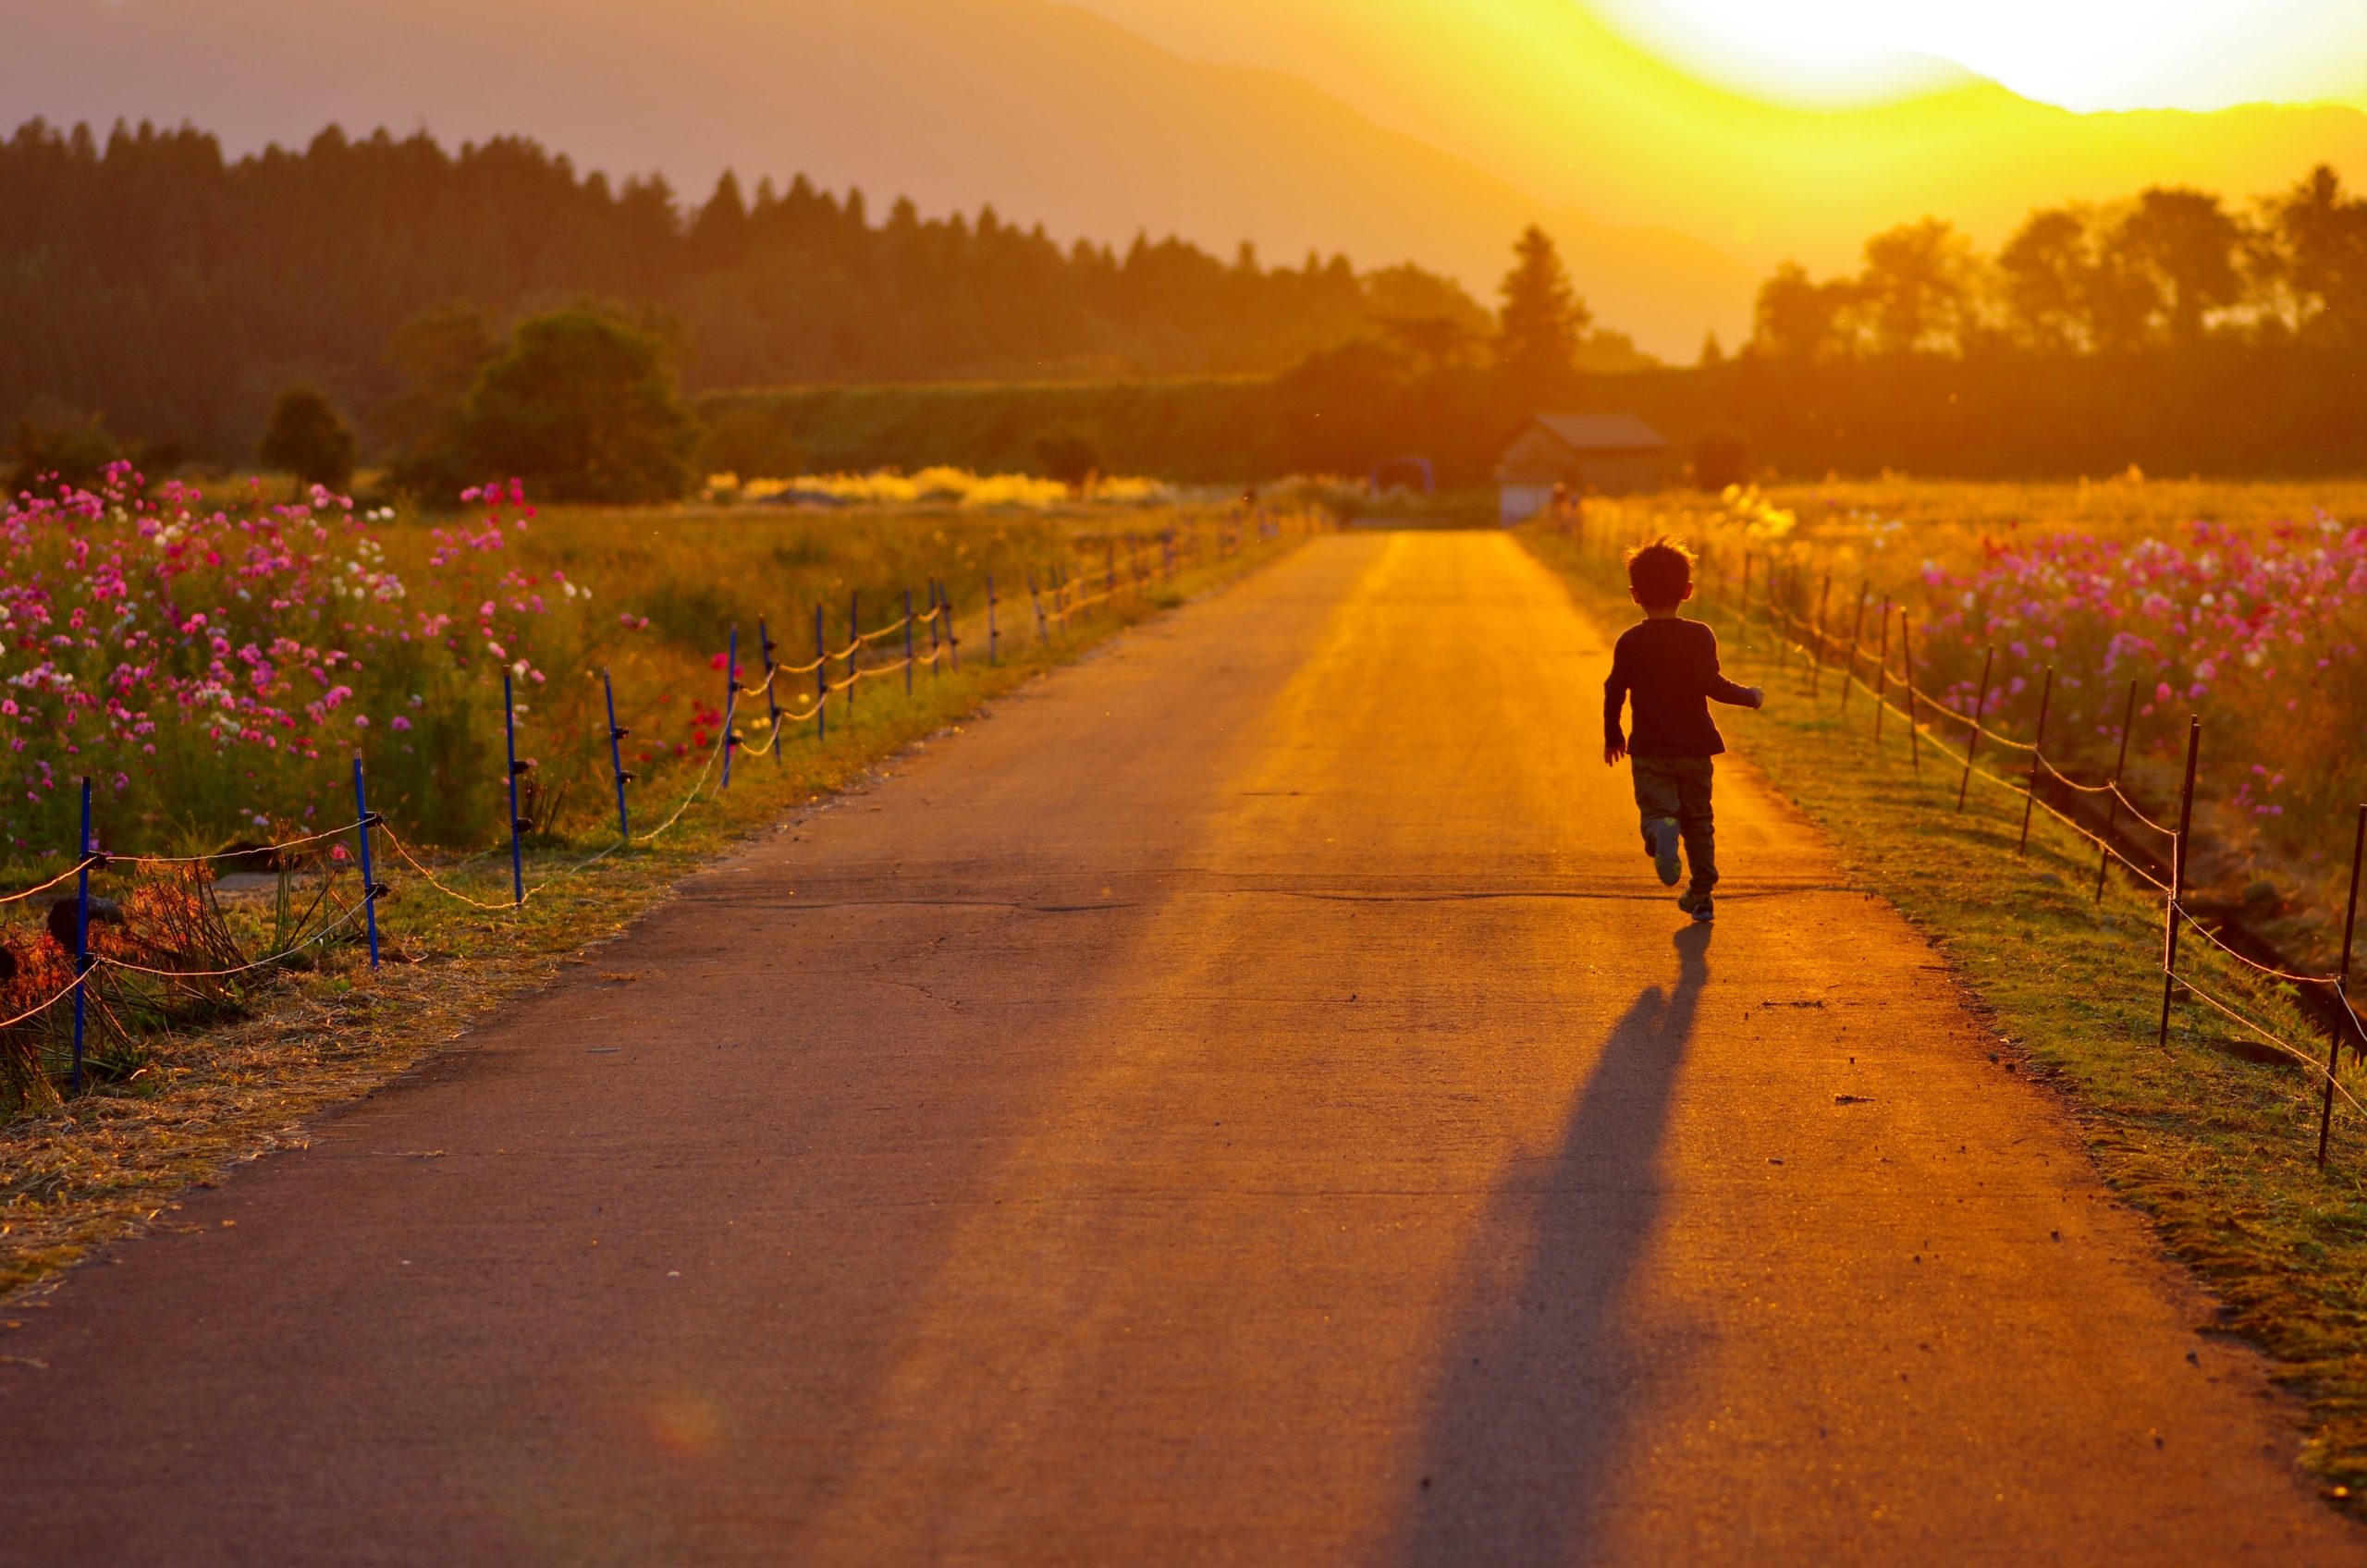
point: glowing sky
(2080, 54)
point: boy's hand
(1612, 752)
(1759, 696)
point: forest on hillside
(146, 277)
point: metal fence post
(908, 642)
(362, 820)
(617, 734)
(2177, 877)
(2341, 988)
(81, 937)
(772, 687)
(1816, 671)
(1980, 705)
(1906, 680)
(854, 643)
(730, 700)
(2111, 806)
(994, 632)
(517, 823)
(1882, 672)
(821, 680)
(953, 637)
(2037, 760)
(1857, 644)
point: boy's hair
(1660, 571)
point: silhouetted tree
(1797, 318)
(1541, 321)
(2047, 270)
(1917, 290)
(2182, 246)
(308, 438)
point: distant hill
(1045, 110)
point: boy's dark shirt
(1669, 668)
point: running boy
(1668, 667)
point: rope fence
(2159, 864)
(1057, 603)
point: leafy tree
(1541, 323)
(2319, 250)
(2182, 246)
(1917, 290)
(2047, 272)
(1798, 319)
(439, 353)
(582, 405)
(307, 437)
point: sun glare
(2082, 54)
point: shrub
(1721, 458)
(306, 436)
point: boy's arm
(1614, 697)
(1719, 689)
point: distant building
(1579, 455)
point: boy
(1668, 666)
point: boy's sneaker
(1699, 906)
(1664, 843)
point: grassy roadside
(2213, 1145)
(108, 1161)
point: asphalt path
(1244, 1100)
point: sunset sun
(2101, 55)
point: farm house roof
(1603, 432)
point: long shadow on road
(1538, 1386)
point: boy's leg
(1660, 801)
(1657, 795)
(1695, 819)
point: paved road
(1246, 1101)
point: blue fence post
(368, 881)
(772, 693)
(994, 634)
(81, 936)
(517, 823)
(730, 700)
(821, 680)
(952, 640)
(617, 756)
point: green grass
(174, 1108)
(2214, 1146)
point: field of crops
(2243, 603)
(213, 661)
(214, 664)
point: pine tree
(1539, 324)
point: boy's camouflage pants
(1679, 787)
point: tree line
(147, 277)
(2173, 330)
(2169, 268)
